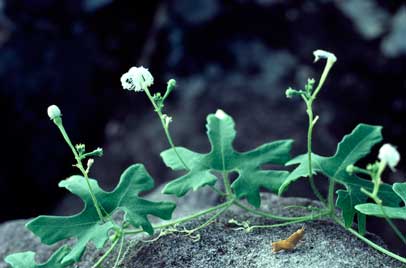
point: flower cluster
(137, 79)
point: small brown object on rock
(289, 243)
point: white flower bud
(90, 163)
(220, 114)
(53, 112)
(322, 54)
(167, 119)
(389, 154)
(137, 78)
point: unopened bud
(322, 54)
(170, 86)
(54, 112)
(81, 148)
(167, 120)
(290, 92)
(90, 163)
(350, 169)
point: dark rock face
(324, 245)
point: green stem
(392, 225)
(119, 251)
(370, 243)
(227, 184)
(168, 135)
(330, 198)
(212, 218)
(219, 192)
(185, 219)
(105, 255)
(309, 151)
(79, 165)
(276, 217)
(279, 224)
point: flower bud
(389, 154)
(81, 148)
(322, 54)
(54, 112)
(290, 92)
(90, 163)
(167, 120)
(171, 85)
(220, 114)
(350, 169)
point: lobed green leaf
(224, 158)
(27, 259)
(86, 225)
(353, 147)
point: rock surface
(325, 244)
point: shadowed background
(237, 55)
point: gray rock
(368, 17)
(394, 44)
(325, 244)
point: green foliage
(223, 158)
(27, 260)
(353, 147)
(391, 212)
(86, 225)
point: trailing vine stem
(369, 242)
(108, 252)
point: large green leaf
(391, 212)
(353, 147)
(223, 158)
(86, 226)
(27, 259)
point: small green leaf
(223, 158)
(27, 259)
(86, 225)
(353, 147)
(391, 212)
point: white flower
(322, 54)
(389, 154)
(220, 114)
(53, 112)
(137, 78)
